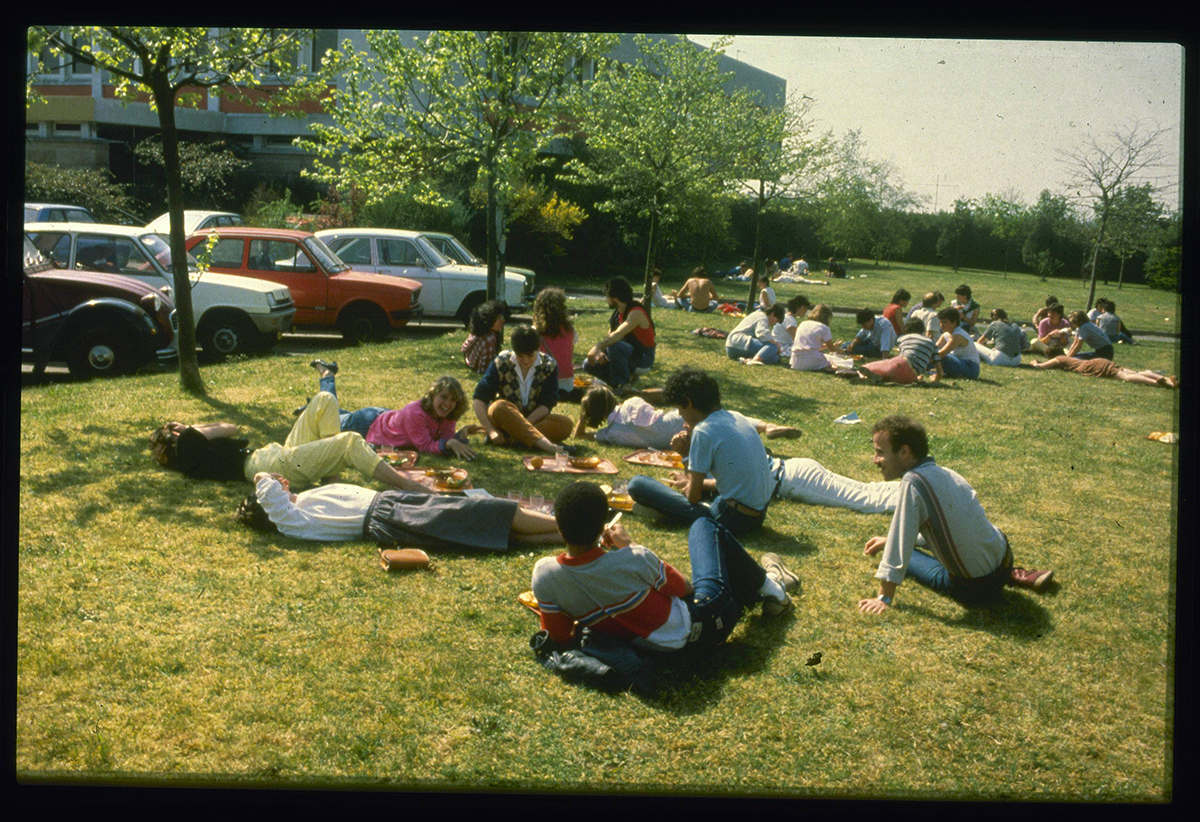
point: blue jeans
(1104, 352)
(667, 501)
(956, 367)
(685, 303)
(725, 579)
(357, 421)
(770, 352)
(867, 349)
(927, 571)
(623, 358)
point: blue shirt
(726, 446)
(1091, 334)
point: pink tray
(605, 467)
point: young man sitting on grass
(724, 444)
(630, 593)
(968, 558)
(875, 338)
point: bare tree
(1097, 170)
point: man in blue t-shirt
(724, 446)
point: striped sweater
(919, 350)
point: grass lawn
(157, 639)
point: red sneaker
(1023, 578)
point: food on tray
(582, 380)
(455, 479)
(536, 462)
(584, 462)
(527, 599)
(622, 502)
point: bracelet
(885, 599)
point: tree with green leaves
(407, 112)
(92, 188)
(170, 64)
(777, 159)
(956, 232)
(206, 168)
(660, 131)
(1007, 217)
(1132, 224)
(1048, 219)
(1098, 170)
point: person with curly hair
(553, 322)
(427, 424)
(485, 334)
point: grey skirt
(431, 520)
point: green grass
(157, 639)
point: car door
(285, 262)
(400, 256)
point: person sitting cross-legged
(629, 593)
(956, 348)
(966, 557)
(514, 398)
(724, 444)
(876, 335)
(1009, 339)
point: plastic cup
(536, 501)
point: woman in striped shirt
(917, 353)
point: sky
(964, 118)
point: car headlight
(152, 303)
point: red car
(326, 291)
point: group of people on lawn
(939, 534)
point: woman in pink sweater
(553, 322)
(428, 424)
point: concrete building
(83, 125)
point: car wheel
(468, 305)
(101, 352)
(364, 324)
(227, 334)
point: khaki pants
(315, 448)
(505, 416)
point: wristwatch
(885, 599)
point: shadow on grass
(1016, 614)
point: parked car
(56, 213)
(456, 251)
(195, 220)
(233, 314)
(363, 306)
(98, 324)
(448, 289)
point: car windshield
(431, 253)
(160, 250)
(325, 257)
(458, 252)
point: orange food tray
(548, 464)
(660, 459)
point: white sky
(991, 117)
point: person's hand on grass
(871, 606)
(874, 546)
(460, 449)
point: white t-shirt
(806, 351)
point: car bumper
(276, 323)
(402, 316)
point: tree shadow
(1013, 614)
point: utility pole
(937, 186)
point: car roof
(251, 231)
(55, 205)
(89, 228)
(368, 232)
(189, 216)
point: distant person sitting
(968, 309)
(657, 298)
(813, 341)
(485, 335)
(1108, 369)
(917, 354)
(835, 269)
(965, 556)
(1088, 332)
(1009, 339)
(894, 310)
(697, 293)
(552, 322)
(800, 267)
(875, 337)
(1053, 332)
(926, 312)
(956, 348)
(630, 345)
(752, 337)
(1044, 311)
(725, 445)
(514, 399)
(1110, 323)
(766, 295)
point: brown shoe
(1022, 578)
(399, 559)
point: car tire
(468, 305)
(364, 323)
(226, 334)
(99, 351)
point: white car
(448, 289)
(193, 221)
(456, 251)
(57, 213)
(233, 314)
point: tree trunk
(647, 284)
(189, 367)
(1095, 260)
(492, 219)
(758, 219)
